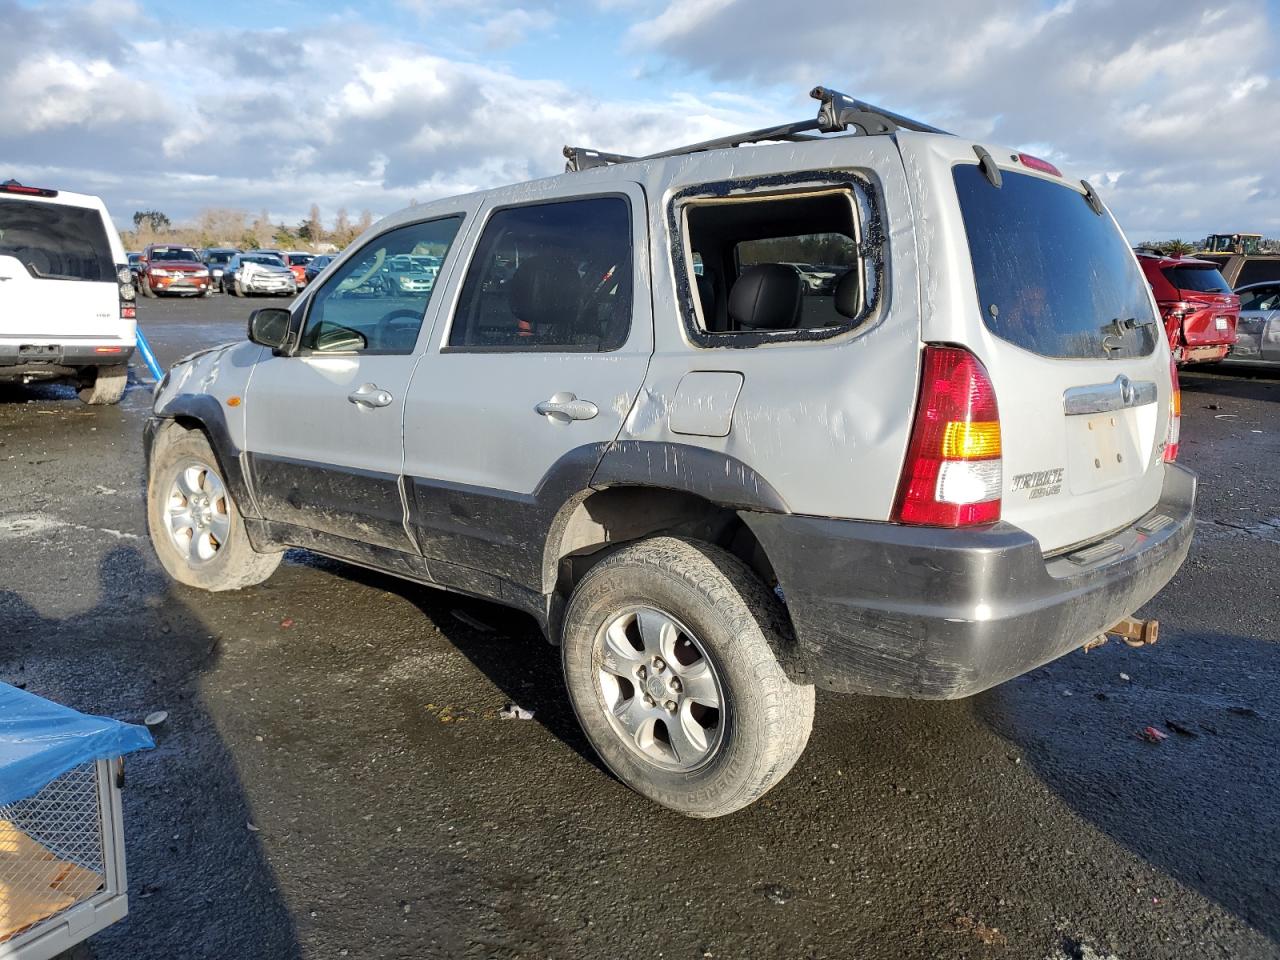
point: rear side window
(785, 266)
(55, 241)
(1052, 276)
(549, 276)
(1199, 279)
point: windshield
(1199, 279)
(300, 259)
(174, 253)
(264, 259)
(218, 256)
(55, 241)
(1052, 276)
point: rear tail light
(953, 473)
(1174, 434)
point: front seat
(546, 296)
(766, 297)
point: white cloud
(390, 121)
(1170, 110)
(1175, 100)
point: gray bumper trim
(917, 612)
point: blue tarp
(41, 740)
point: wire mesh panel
(51, 851)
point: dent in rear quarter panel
(824, 422)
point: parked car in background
(172, 269)
(1196, 304)
(409, 273)
(1241, 270)
(67, 308)
(296, 261)
(135, 263)
(216, 259)
(1258, 332)
(258, 272)
(716, 498)
(316, 264)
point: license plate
(1220, 323)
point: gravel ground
(334, 779)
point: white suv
(67, 307)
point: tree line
(229, 227)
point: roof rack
(837, 112)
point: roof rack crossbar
(836, 114)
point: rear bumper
(53, 360)
(891, 610)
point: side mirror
(269, 327)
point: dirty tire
(102, 385)
(236, 289)
(743, 630)
(236, 564)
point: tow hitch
(1135, 633)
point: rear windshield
(1052, 276)
(55, 241)
(1199, 279)
(218, 256)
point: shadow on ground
(1202, 805)
(141, 648)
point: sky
(1171, 109)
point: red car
(1198, 308)
(172, 268)
(297, 264)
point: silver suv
(621, 406)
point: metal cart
(62, 865)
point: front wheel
(103, 385)
(236, 289)
(671, 654)
(195, 525)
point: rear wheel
(196, 528)
(671, 656)
(103, 385)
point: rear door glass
(1199, 279)
(1052, 276)
(55, 241)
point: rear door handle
(370, 395)
(563, 407)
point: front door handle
(563, 407)
(370, 395)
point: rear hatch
(1048, 295)
(1207, 307)
(58, 279)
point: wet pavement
(334, 779)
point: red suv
(172, 268)
(1197, 306)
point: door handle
(563, 407)
(370, 395)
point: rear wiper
(1114, 332)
